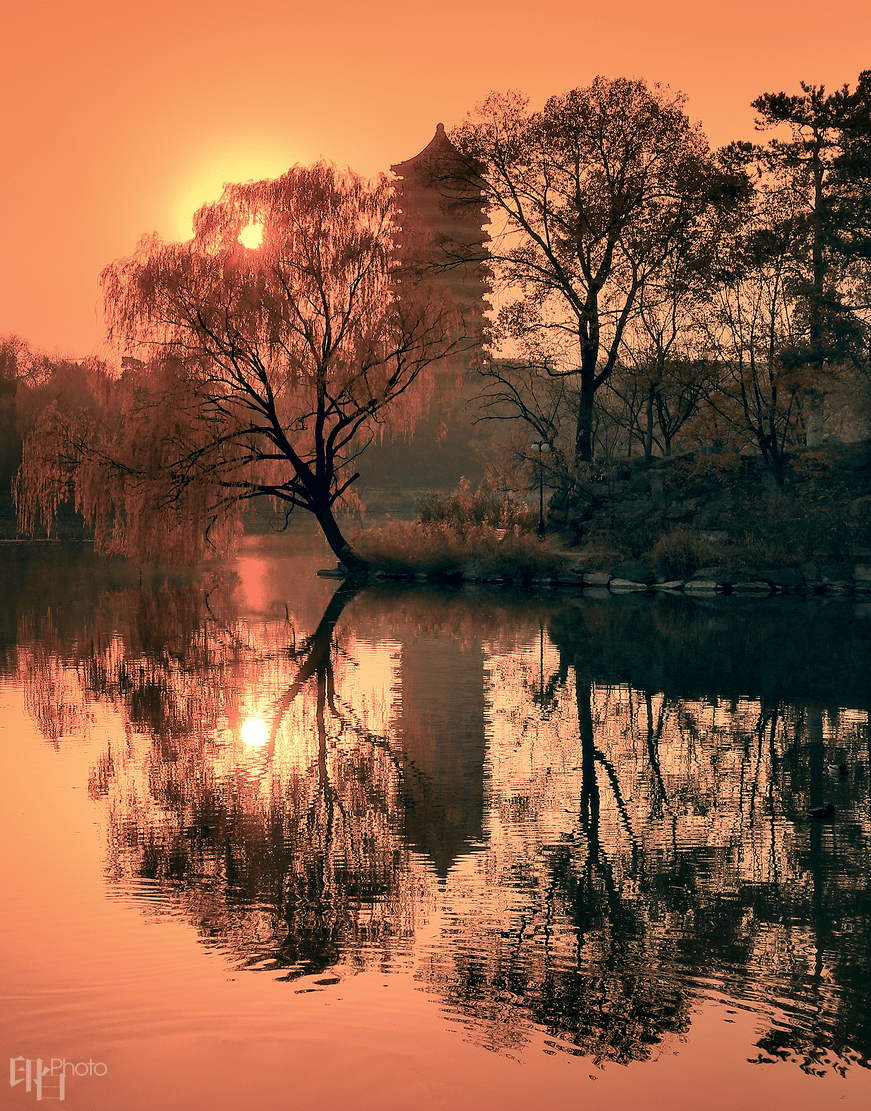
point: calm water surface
(267, 841)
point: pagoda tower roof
(438, 146)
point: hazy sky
(121, 119)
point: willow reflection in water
(574, 817)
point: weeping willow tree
(249, 372)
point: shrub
(625, 539)
(679, 554)
(723, 466)
(790, 530)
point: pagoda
(439, 195)
(443, 204)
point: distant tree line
(33, 383)
(650, 296)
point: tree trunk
(648, 434)
(819, 269)
(338, 544)
(318, 661)
(772, 457)
(589, 786)
(584, 428)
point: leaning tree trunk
(318, 660)
(337, 542)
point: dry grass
(466, 508)
(441, 549)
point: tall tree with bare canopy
(250, 372)
(591, 199)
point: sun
(251, 236)
(255, 732)
(209, 165)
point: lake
(271, 840)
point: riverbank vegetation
(449, 550)
(472, 532)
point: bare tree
(750, 330)
(590, 198)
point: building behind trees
(449, 440)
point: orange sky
(120, 119)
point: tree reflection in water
(599, 807)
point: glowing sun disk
(251, 236)
(255, 732)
